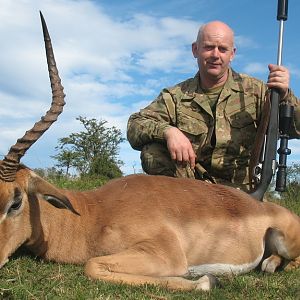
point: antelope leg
(137, 268)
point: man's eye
(223, 49)
(209, 48)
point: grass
(27, 277)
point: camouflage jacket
(237, 116)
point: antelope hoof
(293, 264)
(271, 263)
(207, 282)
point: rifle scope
(285, 110)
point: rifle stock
(269, 164)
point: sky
(115, 56)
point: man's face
(214, 52)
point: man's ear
(195, 49)
(233, 54)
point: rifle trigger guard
(257, 170)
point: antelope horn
(11, 162)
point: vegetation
(91, 152)
(291, 197)
(56, 177)
(27, 277)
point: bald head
(214, 50)
(216, 29)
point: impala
(140, 229)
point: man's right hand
(179, 146)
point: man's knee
(156, 160)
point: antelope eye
(17, 201)
(16, 205)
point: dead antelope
(140, 229)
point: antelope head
(19, 186)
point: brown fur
(147, 229)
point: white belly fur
(217, 269)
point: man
(205, 127)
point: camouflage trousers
(156, 160)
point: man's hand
(279, 78)
(179, 146)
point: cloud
(295, 71)
(294, 146)
(102, 61)
(255, 68)
(245, 42)
(163, 59)
(110, 65)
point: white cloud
(294, 146)
(245, 42)
(99, 58)
(163, 59)
(255, 68)
(102, 60)
(295, 71)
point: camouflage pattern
(156, 160)
(226, 157)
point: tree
(48, 173)
(293, 183)
(66, 159)
(93, 151)
(292, 191)
(293, 173)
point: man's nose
(215, 52)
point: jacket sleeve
(291, 99)
(149, 124)
(295, 125)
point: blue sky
(115, 56)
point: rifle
(278, 127)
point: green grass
(84, 183)
(27, 277)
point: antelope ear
(50, 193)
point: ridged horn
(10, 163)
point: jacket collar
(194, 91)
(233, 82)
